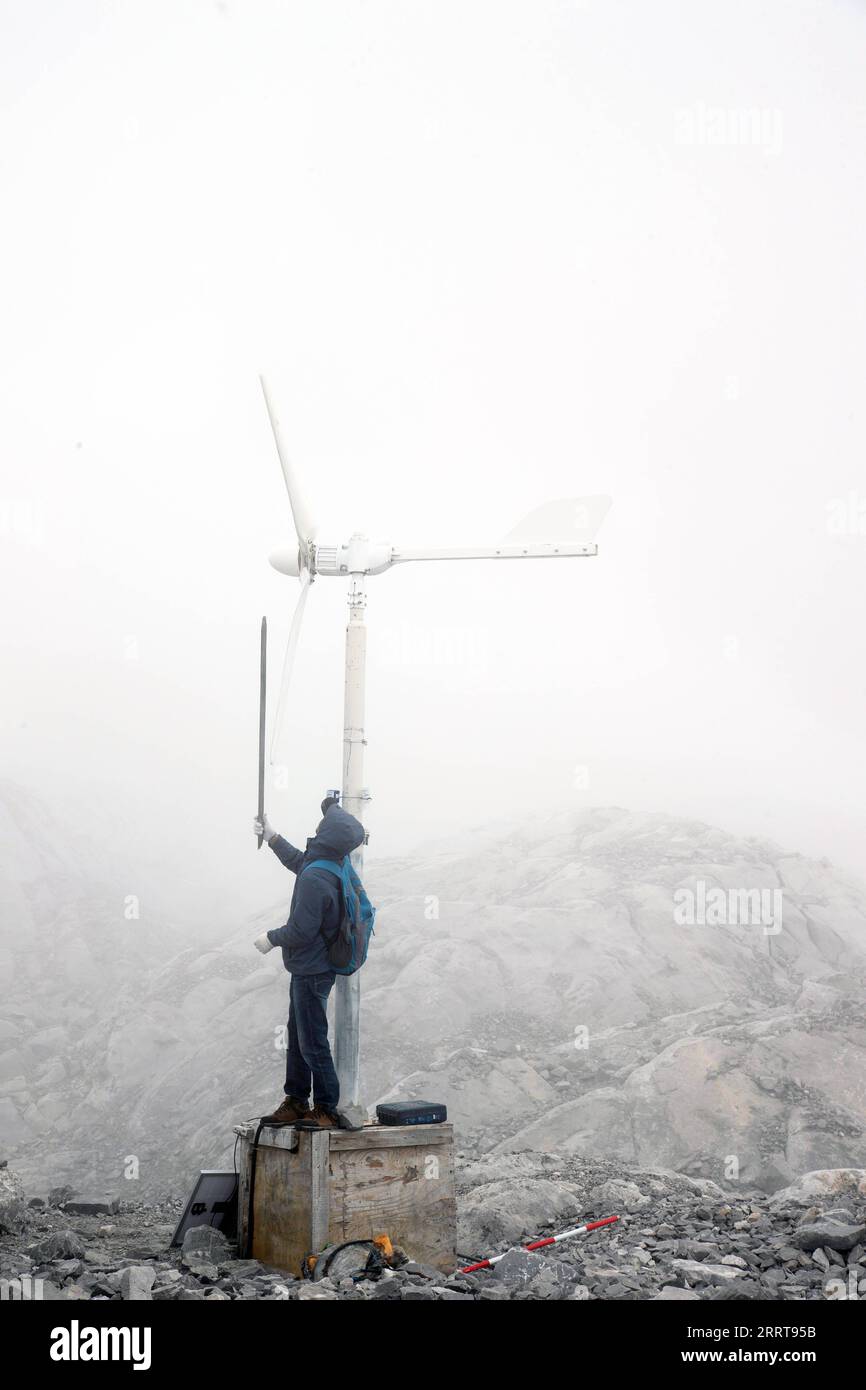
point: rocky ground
(677, 1238)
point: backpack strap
(325, 864)
(336, 869)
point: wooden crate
(316, 1188)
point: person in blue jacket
(314, 918)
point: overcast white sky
(489, 254)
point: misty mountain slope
(701, 1043)
(73, 956)
(573, 924)
(773, 1096)
(540, 985)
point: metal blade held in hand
(263, 688)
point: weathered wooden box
(315, 1188)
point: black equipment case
(411, 1112)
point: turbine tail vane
(571, 520)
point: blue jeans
(308, 1055)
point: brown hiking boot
(291, 1110)
(320, 1118)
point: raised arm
(286, 853)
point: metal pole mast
(347, 1005)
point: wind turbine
(563, 529)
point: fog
(488, 254)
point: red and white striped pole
(539, 1244)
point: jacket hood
(337, 834)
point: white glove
(262, 944)
(263, 827)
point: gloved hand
(262, 944)
(263, 827)
(328, 802)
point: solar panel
(214, 1202)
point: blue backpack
(347, 947)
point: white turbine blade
(575, 520)
(289, 659)
(305, 524)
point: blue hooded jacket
(317, 899)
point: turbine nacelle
(356, 556)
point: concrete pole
(347, 1005)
